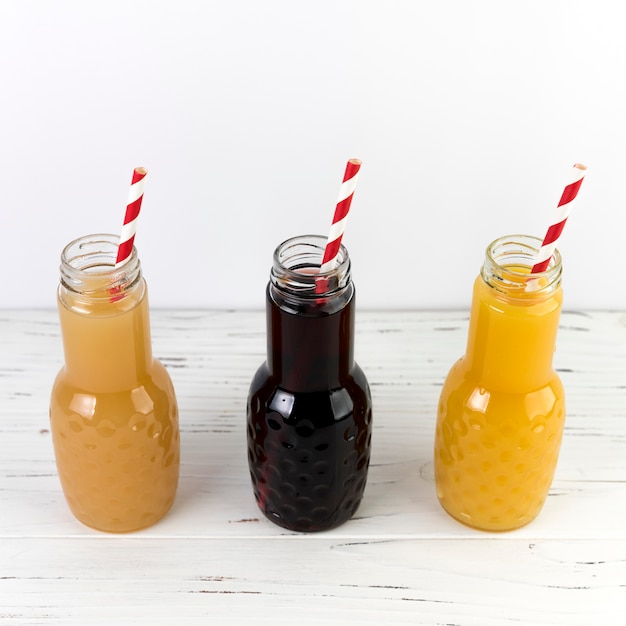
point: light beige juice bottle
(113, 411)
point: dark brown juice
(309, 418)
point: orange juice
(113, 411)
(502, 407)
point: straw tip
(141, 171)
(354, 161)
(580, 166)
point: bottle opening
(296, 267)
(91, 254)
(508, 264)
(88, 268)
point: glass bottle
(502, 408)
(113, 411)
(309, 412)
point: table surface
(401, 560)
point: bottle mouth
(91, 253)
(297, 262)
(508, 264)
(88, 267)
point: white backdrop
(467, 116)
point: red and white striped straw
(346, 193)
(556, 228)
(133, 206)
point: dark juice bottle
(309, 406)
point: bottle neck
(310, 317)
(104, 317)
(91, 284)
(507, 270)
(514, 317)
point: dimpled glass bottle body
(309, 412)
(113, 411)
(502, 407)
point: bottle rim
(508, 262)
(76, 258)
(88, 266)
(296, 263)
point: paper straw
(346, 193)
(556, 228)
(135, 196)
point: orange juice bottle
(502, 407)
(113, 412)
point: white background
(467, 116)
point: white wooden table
(215, 559)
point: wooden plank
(401, 559)
(313, 580)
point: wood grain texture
(401, 560)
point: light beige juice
(113, 411)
